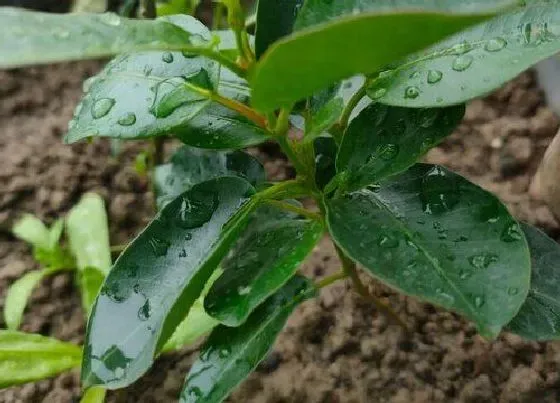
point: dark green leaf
(432, 234)
(155, 281)
(275, 19)
(343, 48)
(28, 357)
(325, 157)
(264, 259)
(473, 63)
(30, 37)
(190, 166)
(382, 140)
(230, 354)
(539, 316)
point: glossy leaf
(31, 37)
(432, 234)
(275, 19)
(189, 166)
(539, 316)
(326, 116)
(325, 158)
(343, 48)
(382, 141)
(93, 395)
(267, 255)
(473, 63)
(230, 354)
(158, 277)
(28, 357)
(17, 296)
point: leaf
(324, 118)
(345, 47)
(274, 20)
(473, 63)
(28, 357)
(432, 234)
(89, 6)
(32, 37)
(90, 280)
(171, 7)
(88, 233)
(539, 316)
(264, 259)
(93, 395)
(189, 166)
(325, 157)
(157, 278)
(230, 354)
(32, 230)
(17, 296)
(382, 141)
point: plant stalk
(295, 209)
(331, 279)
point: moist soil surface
(336, 348)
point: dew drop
(511, 233)
(127, 120)
(482, 260)
(378, 93)
(145, 311)
(388, 152)
(136, 288)
(224, 352)
(495, 44)
(461, 48)
(479, 301)
(194, 393)
(513, 291)
(427, 117)
(197, 209)
(387, 242)
(101, 107)
(462, 63)
(464, 274)
(188, 236)
(414, 75)
(167, 57)
(434, 76)
(159, 246)
(439, 192)
(183, 253)
(411, 92)
(244, 290)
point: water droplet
(136, 288)
(188, 236)
(483, 260)
(511, 233)
(427, 117)
(127, 120)
(414, 75)
(513, 291)
(439, 192)
(386, 74)
(159, 246)
(464, 274)
(101, 107)
(194, 393)
(387, 152)
(461, 48)
(61, 34)
(378, 93)
(495, 44)
(224, 352)
(145, 311)
(461, 63)
(434, 76)
(115, 292)
(442, 235)
(411, 92)
(479, 301)
(183, 253)
(167, 57)
(197, 209)
(421, 221)
(373, 188)
(387, 242)
(462, 238)
(244, 290)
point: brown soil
(334, 349)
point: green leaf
(432, 234)
(343, 48)
(326, 116)
(90, 280)
(539, 316)
(325, 158)
(264, 259)
(17, 296)
(383, 141)
(28, 357)
(189, 166)
(89, 6)
(31, 37)
(93, 395)
(171, 7)
(473, 63)
(275, 20)
(88, 233)
(157, 278)
(230, 354)
(32, 230)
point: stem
(158, 151)
(331, 279)
(217, 16)
(220, 58)
(352, 103)
(289, 189)
(295, 209)
(349, 268)
(292, 156)
(117, 248)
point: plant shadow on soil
(334, 349)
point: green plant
(354, 93)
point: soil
(336, 348)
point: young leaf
(189, 166)
(17, 296)
(31, 37)
(475, 62)
(325, 157)
(93, 395)
(90, 280)
(274, 20)
(230, 354)
(432, 234)
(32, 230)
(326, 116)
(345, 47)
(157, 278)
(382, 140)
(28, 357)
(539, 316)
(264, 259)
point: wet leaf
(158, 277)
(267, 255)
(189, 166)
(382, 140)
(30, 37)
(432, 234)
(230, 354)
(539, 316)
(475, 62)
(28, 357)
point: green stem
(220, 58)
(295, 209)
(352, 103)
(331, 279)
(291, 154)
(217, 16)
(117, 248)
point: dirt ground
(334, 349)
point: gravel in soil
(334, 349)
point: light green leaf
(28, 357)
(158, 277)
(55, 232)
(170, 7)
(473, 63)
(32, 230)
(17, 296)
(31, 37)
(539, 316)
(93, 395)
(432, 234)
(90, 280)
(230, 354)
